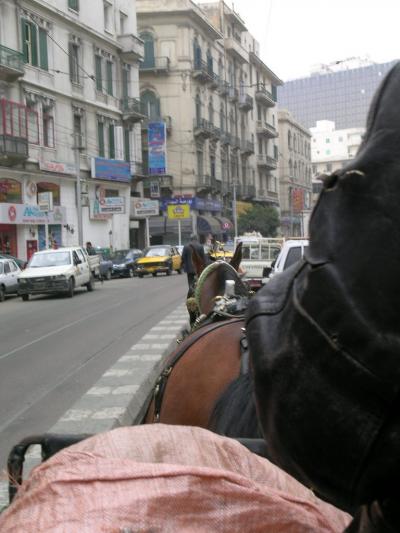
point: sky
(295, 35)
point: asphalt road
(53, 349)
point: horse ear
(237, 257)
(198, 262)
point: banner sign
(297, 200)
(30, 214)
(114, 205)
(111, 170)
(195, 203)
(45, 201)
(60, 168)
(157, 148)
(154, 189)
(178, 211)
(143, 207)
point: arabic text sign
(179, 211)
(30, 214)
(157, 148)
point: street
(54, 348)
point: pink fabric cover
(157, 478)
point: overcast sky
(294, 35)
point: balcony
(132, 47)
(203, 128)
(223, 87)
(235, 142)
(167, 120)
(13, 150)
(202, 72)
(11, 64)
(131, 111)
(226, 138)
(164, 182)
(265, 129)
(233, 94)
(235, 49)
(264, 96)
(267, 162)
(155, 65)
(245, 102)
(249, 192)
(203, 182)
(247, 147)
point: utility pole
(77, 148)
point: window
(34, 44)
(99, 74)
(148, 60)
(13, 119)
(125, 83)
(78, 131)
(199, 156)
(123, 19)
(196, 54)
(33, 125)
(50, 187)
(100, 137)
(74, 63)
(10, 191)
(127, 145)
(212, 166)
(210, 112)
(150, 105)
(107, 17)
(73, 4)
(111, 141)
(48, 130)
(198, 109)
(110, 78)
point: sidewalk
(120, 396)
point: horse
(210, 357)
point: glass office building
(343, 96)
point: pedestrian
(188, 266)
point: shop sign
(30, 214)
(203, 204)
(114, 205)
(59, 168)
(143, 207)
(45, 201)
(154, 189)
(157, 148)
(178, 211)
(111, 170)
(180, 200)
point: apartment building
(295, 175)
(203, 78)
(68, 92)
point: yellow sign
(242, 207)
(179, 211)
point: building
(203, 78)
(295, 176)
(332, 149)
(340, 93)
(68, 92)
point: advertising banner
(60, 168)
(157, 148)
(111, 170)
(297, 200)
(30, 214)
(178, 211)
(143, 207)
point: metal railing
(262, 92)
(155, 63)
(11, 59)
(245, 101)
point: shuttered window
(34, 44)
(127, 147)
(74, 63)
(44, 64)
(100, 135)
(111, 141)
(109, 78)
(73, 4)
(99, 74)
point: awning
(160, 225)
(226, 224)
(208, 224)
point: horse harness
(199, 333)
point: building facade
(295, 175)
(340, 93)
(202, 76)
(68, 92)
(332, 149)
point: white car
(292, 251)
(9, 272)
(56, 271)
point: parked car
(160, 258)
(106, 266)
(124, 262)
(20, 262)
(291, 252)
(9, 272)
(56, 271)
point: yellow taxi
(218, 251)
(160, 258)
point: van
(291, 252)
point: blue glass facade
(343, 97)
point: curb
(121, 396)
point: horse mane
(234, 413)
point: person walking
(188, 266)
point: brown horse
(208, 359)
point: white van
(292, 251)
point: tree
(259, 218)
